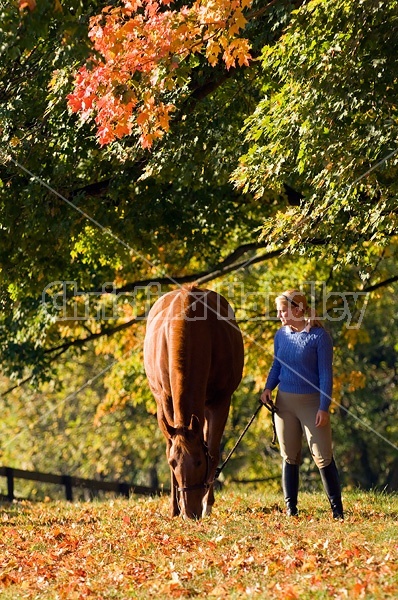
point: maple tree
(171, 215)
(146, 51)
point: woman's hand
(266, 398)
(322, 418)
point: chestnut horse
(193, 356)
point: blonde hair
(298, 299)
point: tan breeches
(296, 415)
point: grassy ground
(248, 548)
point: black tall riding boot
(331, 483)
(290, 483)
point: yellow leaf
(220, 591)
(239, 23)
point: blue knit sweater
(303, 363)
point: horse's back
(193, 345)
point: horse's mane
(182, 321)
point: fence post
(10, 483)
(124, 489)
(67, 482)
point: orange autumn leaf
(29, 4)
(147, 42)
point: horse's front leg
(208, 501)
(174, 504)
(215, 421)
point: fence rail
(120, 488)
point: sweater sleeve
(273, 376)
(325, 369)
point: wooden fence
(69, 482)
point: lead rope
(272, 410)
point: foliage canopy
(255, 149)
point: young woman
(302, 370)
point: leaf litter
(132, 549)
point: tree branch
(112, 330)
(95, 336)
(223, 268)
(29, 377)
(376, 286)
(210, 276)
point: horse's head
(190, 462)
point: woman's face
(288, 314)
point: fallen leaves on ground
(132, 549)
